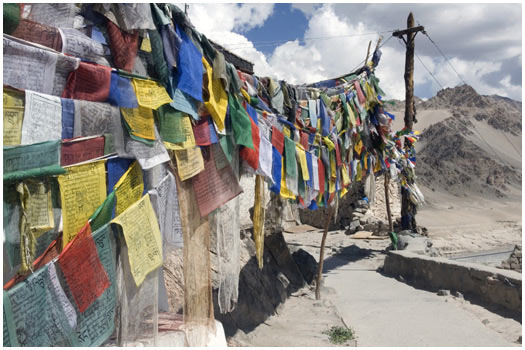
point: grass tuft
(339, 335)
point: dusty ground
(382, 311)
(470, 224)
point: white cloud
(208, 18)
(474, 41)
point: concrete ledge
(492, 285)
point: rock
(371, 227)
(458, 295)
(361, 210)
(357, 214)
(443, 292)
(485, 321)
(306, 263)
(353, 226)
(362, 203)
(519, 340)
(414, 243)
(514, 260)
(282, 278)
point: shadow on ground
(261, 291)
(348, 254)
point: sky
(308, 42)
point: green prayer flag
(109, 145)
(227, 146)
(157, 54)
(170, 124)
(11, 17)
(45, 171)
(103, 214)
(242, 126)
(289, 155)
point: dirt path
(382, 311)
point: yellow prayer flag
(344, 175)
(13, 117)
(359, 172)
(358, 146)
(258, 219)
(246, 95)
(329, 143)
(371, 97)
(286, 131)
(146, 44)
(299, 151)
(378, 165)
(39, 206)
(82, 191)
(331, 185)
(129, 188)
(285, 191)
(141, 232)
(150, 94)
(351, 114)
(217, 104)
(189, 162)
(141, 121)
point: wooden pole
(407, 208)
(321, 256)
(409, 74)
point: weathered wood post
(321, 256)
(407, 208)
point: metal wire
(445, 57)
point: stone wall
(491, 285)
(317, 218)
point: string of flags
(99, 99)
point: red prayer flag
(304, 140)
(337, 154)
(201, 132)
(89, 82)
(213, 187)
(39, 33)
(251, 156)
(320, 169)
(277, 139)
(76, 151)
(85, 276)
(123, 46)
(360, 95)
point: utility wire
(445, 57)
(424, 66)
(233, 47)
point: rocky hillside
(476, 149)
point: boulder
(306, 263)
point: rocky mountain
(474, 147)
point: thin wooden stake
(387, 200)
(321, 256)
(368, 52)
